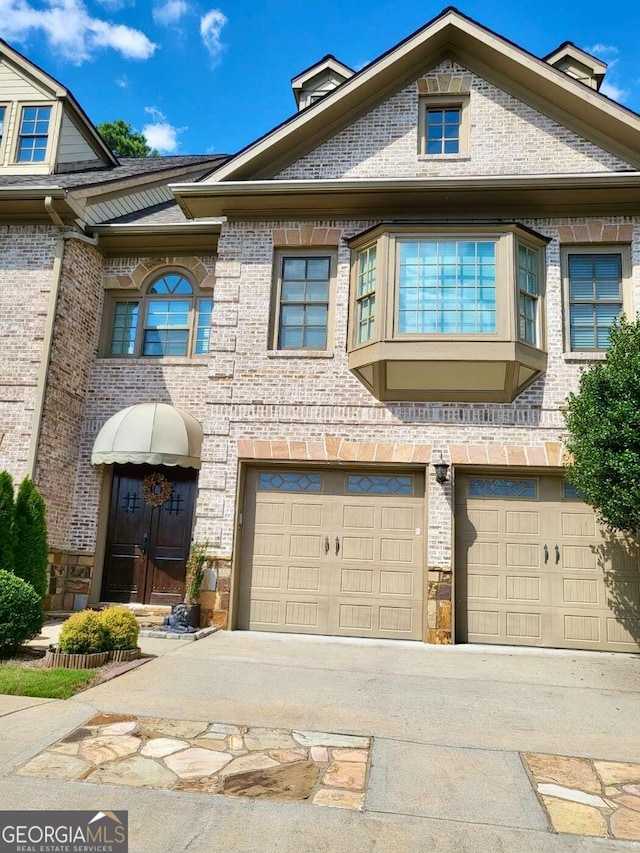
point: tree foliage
(30, 534)
(603, 420)
(124, 141)
(7, 513)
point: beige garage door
(333, 552)
(534, 568)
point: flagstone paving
(585, 797)
(322, 768)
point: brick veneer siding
(27, 255)
(75, 341)
(506, 137)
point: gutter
(64, 234)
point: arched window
(172, 319)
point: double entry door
(149, 534)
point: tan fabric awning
(152, 434)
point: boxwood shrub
(21, 616)
(84, 634)
(121, 626)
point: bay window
(447, 313)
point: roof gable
(451, 34)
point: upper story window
(303, 299)
(171, 319)
(595, 288)
(443, 125)
(33, 136)
(3, 112)
(446, 287)
(450, 312)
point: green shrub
(21, 615)
(7, 514)
(83, 634)
(195, 571)
(121, 627)
(30, 537)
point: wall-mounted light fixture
(442, 470)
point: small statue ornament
(177, 622)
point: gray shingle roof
(168, 213)
(130, 167)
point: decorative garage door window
(485, 487)
(571, 493)
(376, 484)
(289, 482)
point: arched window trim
(129, 333)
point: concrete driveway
(448, 724)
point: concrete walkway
(448, 726)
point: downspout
(47, 344)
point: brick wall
(26, 262)
(506, 137)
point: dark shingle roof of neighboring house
(130, 167)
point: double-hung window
(443, 125)
(528, 293)
(171, 319)
(595, 297)
(303, 295)
(33, 137)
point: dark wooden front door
(147, 545)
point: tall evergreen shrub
(30, 534)
(7, 514)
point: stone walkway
(212, 758)
(585, 797)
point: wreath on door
(156, 489)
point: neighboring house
(407, 277)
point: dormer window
(33, 138)
(3, 112)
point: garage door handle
(337, 545)
(546, 554)
(326, 545)
(557, 555)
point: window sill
(182, 361)
(583, 356)
(299, 353)
(456, 158)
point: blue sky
(200, 77)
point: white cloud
(612, 91)
(211, 26)
(160, 134)
(122, 82)
(71, 30)
(599, 50)
(170, 12)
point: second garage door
(333, 552)
(534, 568)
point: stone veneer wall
(507, 137)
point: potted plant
(196, 565)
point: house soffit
(455, 36)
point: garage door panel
(346, 561)
(543, 573)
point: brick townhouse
(339, 356)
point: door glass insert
(490, 487)
(378, 484)
(571, 492)
(289, 482)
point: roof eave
(461, 196)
